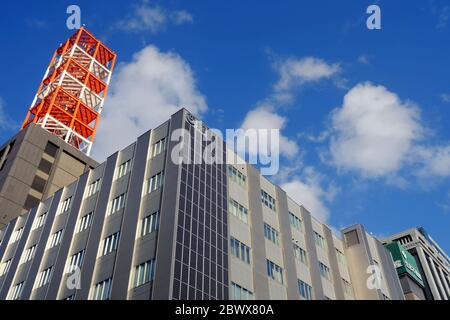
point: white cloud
(445, 97)
(152, 18)
(307, 191)
(363, 59)
(263, 117)
(295, 71)
(374, 131)
(5, 122)
(143, 94)
(444, 15)
(180, 17)
(435, 161)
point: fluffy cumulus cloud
(374, 131)
(263, 117)
(298, 71)
(146, 17)
(308, 191)
(144, 93)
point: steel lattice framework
(70, 97)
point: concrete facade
(140, 226)
(34, 164)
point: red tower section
(70, 98)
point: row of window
(238, 210)
(236, 176)
(271, 234)
(274, 271)
(240, 293)
(240, 250)
(154, 182)
(268, 200)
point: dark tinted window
(51, 149)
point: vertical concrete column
(58, 268)
(438, 279)
(312, 255)
(260, 278)
(95, 231)
(286, 242)
(123, 264)
(444, 282)
(428, 275)
(337, 280)
(165, 249)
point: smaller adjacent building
(423, 262)
(408, 272)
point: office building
(433, 263)
(142, 226)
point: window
(16, 291)
(238, 210)
(274, 271)
(271, 234)
(124, 168)
(51, 149)
(55, 239)
(236, 176)
(154, 182)
(319, 240)
(17, 235)
(240, 293)
(300, 254)
(340, 256)
(44, 277)
(28, 254)
(305, 290)
(158, 147)
(93, 188)
(102, 290)
(85, 222)
(75, 261)
(347, 287)
(240, 250)
(117, 203)
(40, 221)
(65, 205)
(4, 267)
(324, 271)
(144, 273)
(268, 200)
(295, 221)
(110, 243)
(150, 223)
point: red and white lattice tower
(70, 97)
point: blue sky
(364, 114)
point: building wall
(191, 253)
(371, 266)
(34, 164)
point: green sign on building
(404, 262)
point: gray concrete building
(433, 262)
(34, 164)
(141, 226)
